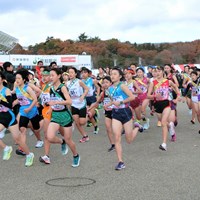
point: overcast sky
(127, 20)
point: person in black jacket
(9, 74)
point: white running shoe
(45, 159)
(146, 125)
(7, 152)
(39, 144)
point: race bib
(163, 94)
(57, 107)
(45, 98)
(107, 101)
(118, 98)
(74, 92)
(143, 88)
(23, 101)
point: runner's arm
(86, 89)
(130, 95)
(68, 100)
(34, 97)
(7, 104)
(150, 91)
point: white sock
(171, 124)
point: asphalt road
(150, 173)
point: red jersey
(162, 88)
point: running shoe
(89, 124)
(29, 160)
(44, 159)
(138, 121)
(159, 124)
(97, 113)
(76, 161)
(112, 148)
(84, 139)
(39, 144)
(141, 129)
(7, 152)
(64, 149)
(146, 125)
(192, 121)
(120, 166)
(20, 152)
(173, 137)
(96, 130)
(163, 148)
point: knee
(117, 140)
(50, 137)
(82, 123)
(128, 140)
(108, 129)
(164, 124)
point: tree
(82, 37)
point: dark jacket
(10, 78)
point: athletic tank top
(3, 98)
(117, 94)
(23, 97)
(142, 85)
(195, 87)
(57, 95)
(107, 100)
(130, 86)
(90, 84)
(75, 92)
(162, 88)
(45, 94)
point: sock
(63, 141)
(171, 124)
(76, 156)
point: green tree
(82, 37)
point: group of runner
(60, 99)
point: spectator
(53, 65)
(39, 65)
(149, 73)
(9, 74)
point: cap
(65, 73)
(46, 73)
(31, 72)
